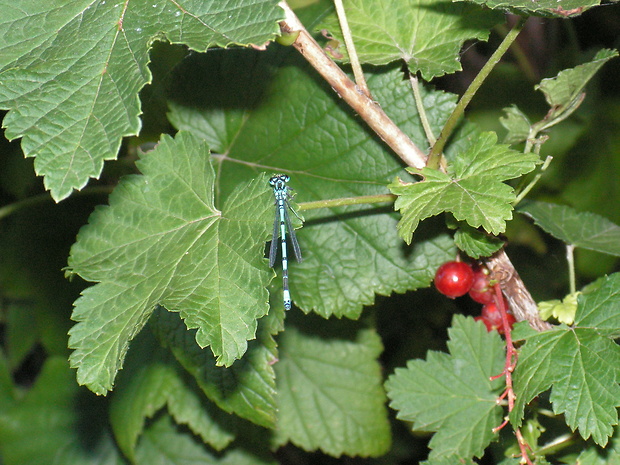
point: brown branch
(368, 109)
(521, 302)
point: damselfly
(282, 222)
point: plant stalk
(369, 110)
(35, 200)
(415, 88)
(364, 199)
(434, 158)
(360, 80)
(570, 258)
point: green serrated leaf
(472, 190)
(581, 229)
(595, 456)
(580, 364)
(70, 72)
(451, 394)
(163, 443)
(21, 333)
(151, 381)
(426, 34)
(60, 415)
(600, 308)
(451, 460)
(328, 154)
(552, 8)
(247, 388)
(476, 243)
(319, 407)
(563, 91)
(517, 123)
(563, 311)
(161, 241)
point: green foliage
(562, 310)
(476, 243)
(581, 229)
(162, 241)
(472, 189)
(517, 123)
(48, 413)
(246, 389)
(542, 8)
(349, 256)
(170, 280)
(151, 380)
(330, 393)
(72, 85)
(425, 34)
(163, 441)
(563, 92)
(178, 226)
(588, 393)
(452, 394)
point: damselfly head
(278, 181)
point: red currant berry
(481, 290)
(492, 317)
(486, 322)
(491, 313)
(454, 279)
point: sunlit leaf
(580, 364)
(70, 72)
(426, 34)
(472, 190)
(452, 394)
(330, 394)
(581, 229)
(162, 241)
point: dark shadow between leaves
(220, 382)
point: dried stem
(521, 302)
(368, 109)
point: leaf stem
(434, 158)
(369, 110)
(40, 199)
(365, 199)
(535, 180)
(415, 87)
(360, 80)
(521, 56)
(557, 444)
(570, 258)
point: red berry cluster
(455, 279)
